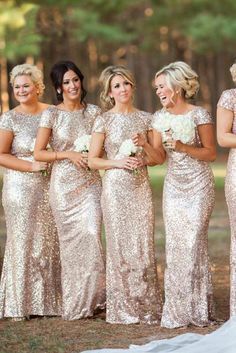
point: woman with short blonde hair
(30, 282)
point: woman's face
(71, 86)
(163, 92)
(121, 90)
(25, 90)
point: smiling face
(121, 90)
(25, 90)
(166, 95)
(71, 86)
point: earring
(58, 91)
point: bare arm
(42, 154)
(7, 160)
(95, 160)
(225, 137)
(207, 152)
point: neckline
(183, 114)
(69, 111)
(27, 114)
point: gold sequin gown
(132, 285)
(30, 282)
(75, 200)
(188, 201)
(228, 101)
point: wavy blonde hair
(233, 72)
(33, 72)
(105, 81)
(180, 75)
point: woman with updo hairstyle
(30, 282)
(226, 136)
(187, 134)
(131, 280)
(75, 192)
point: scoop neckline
(190, 111)
(69, 111)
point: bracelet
(55, 156)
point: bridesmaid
(226, 136)
(132, 285)
(30, 283)
(74, 193)
(188, 197)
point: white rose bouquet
(128, 149)
(182, 127)
(32, 146)
(82, 143)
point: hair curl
(233, 72)
(105, 81)
(33, 72)
(180, 75)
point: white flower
(82, 143)
(182, 127)
(128, 148)
(162, 122)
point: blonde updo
(105, 81)
(180, 75)
(233, 72)
(33, 72)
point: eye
(65, 82)
(16, 86)
(76, 79)
(127, 83)
(117, 85)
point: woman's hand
(79, 159)
(174, 145)
(139, 139)
(38, 166)
(130, 163)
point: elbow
(221, 142)
(37, 156)
(212, 156)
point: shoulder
(93, 109)
(201, 116)
(7, 120)
(228, 99)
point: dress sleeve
(202, 116)
(99, 125)
(47, 118)
(6, 122)
(226, 101)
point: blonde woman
(187, 134)
(226, 136)
(75, 193)
(132, 285)
(30, 282)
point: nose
(72, 84)
(21, 89)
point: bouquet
(82, 143)
(128, 149)
(32, 146)
(181, 126)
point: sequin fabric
(188, 201)
(75, 195)
(30, 283)
(228, 101)
(132, 284)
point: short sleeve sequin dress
(30, 283)
(228, 101)
(132, 285)
(188, 201)
(75, 200)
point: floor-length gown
(228, 101)
(132, 285)
(30, 282)
(188, 201)
(75, 201)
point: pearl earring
(58, 91)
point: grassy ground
(57, 336)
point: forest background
(141, 34)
